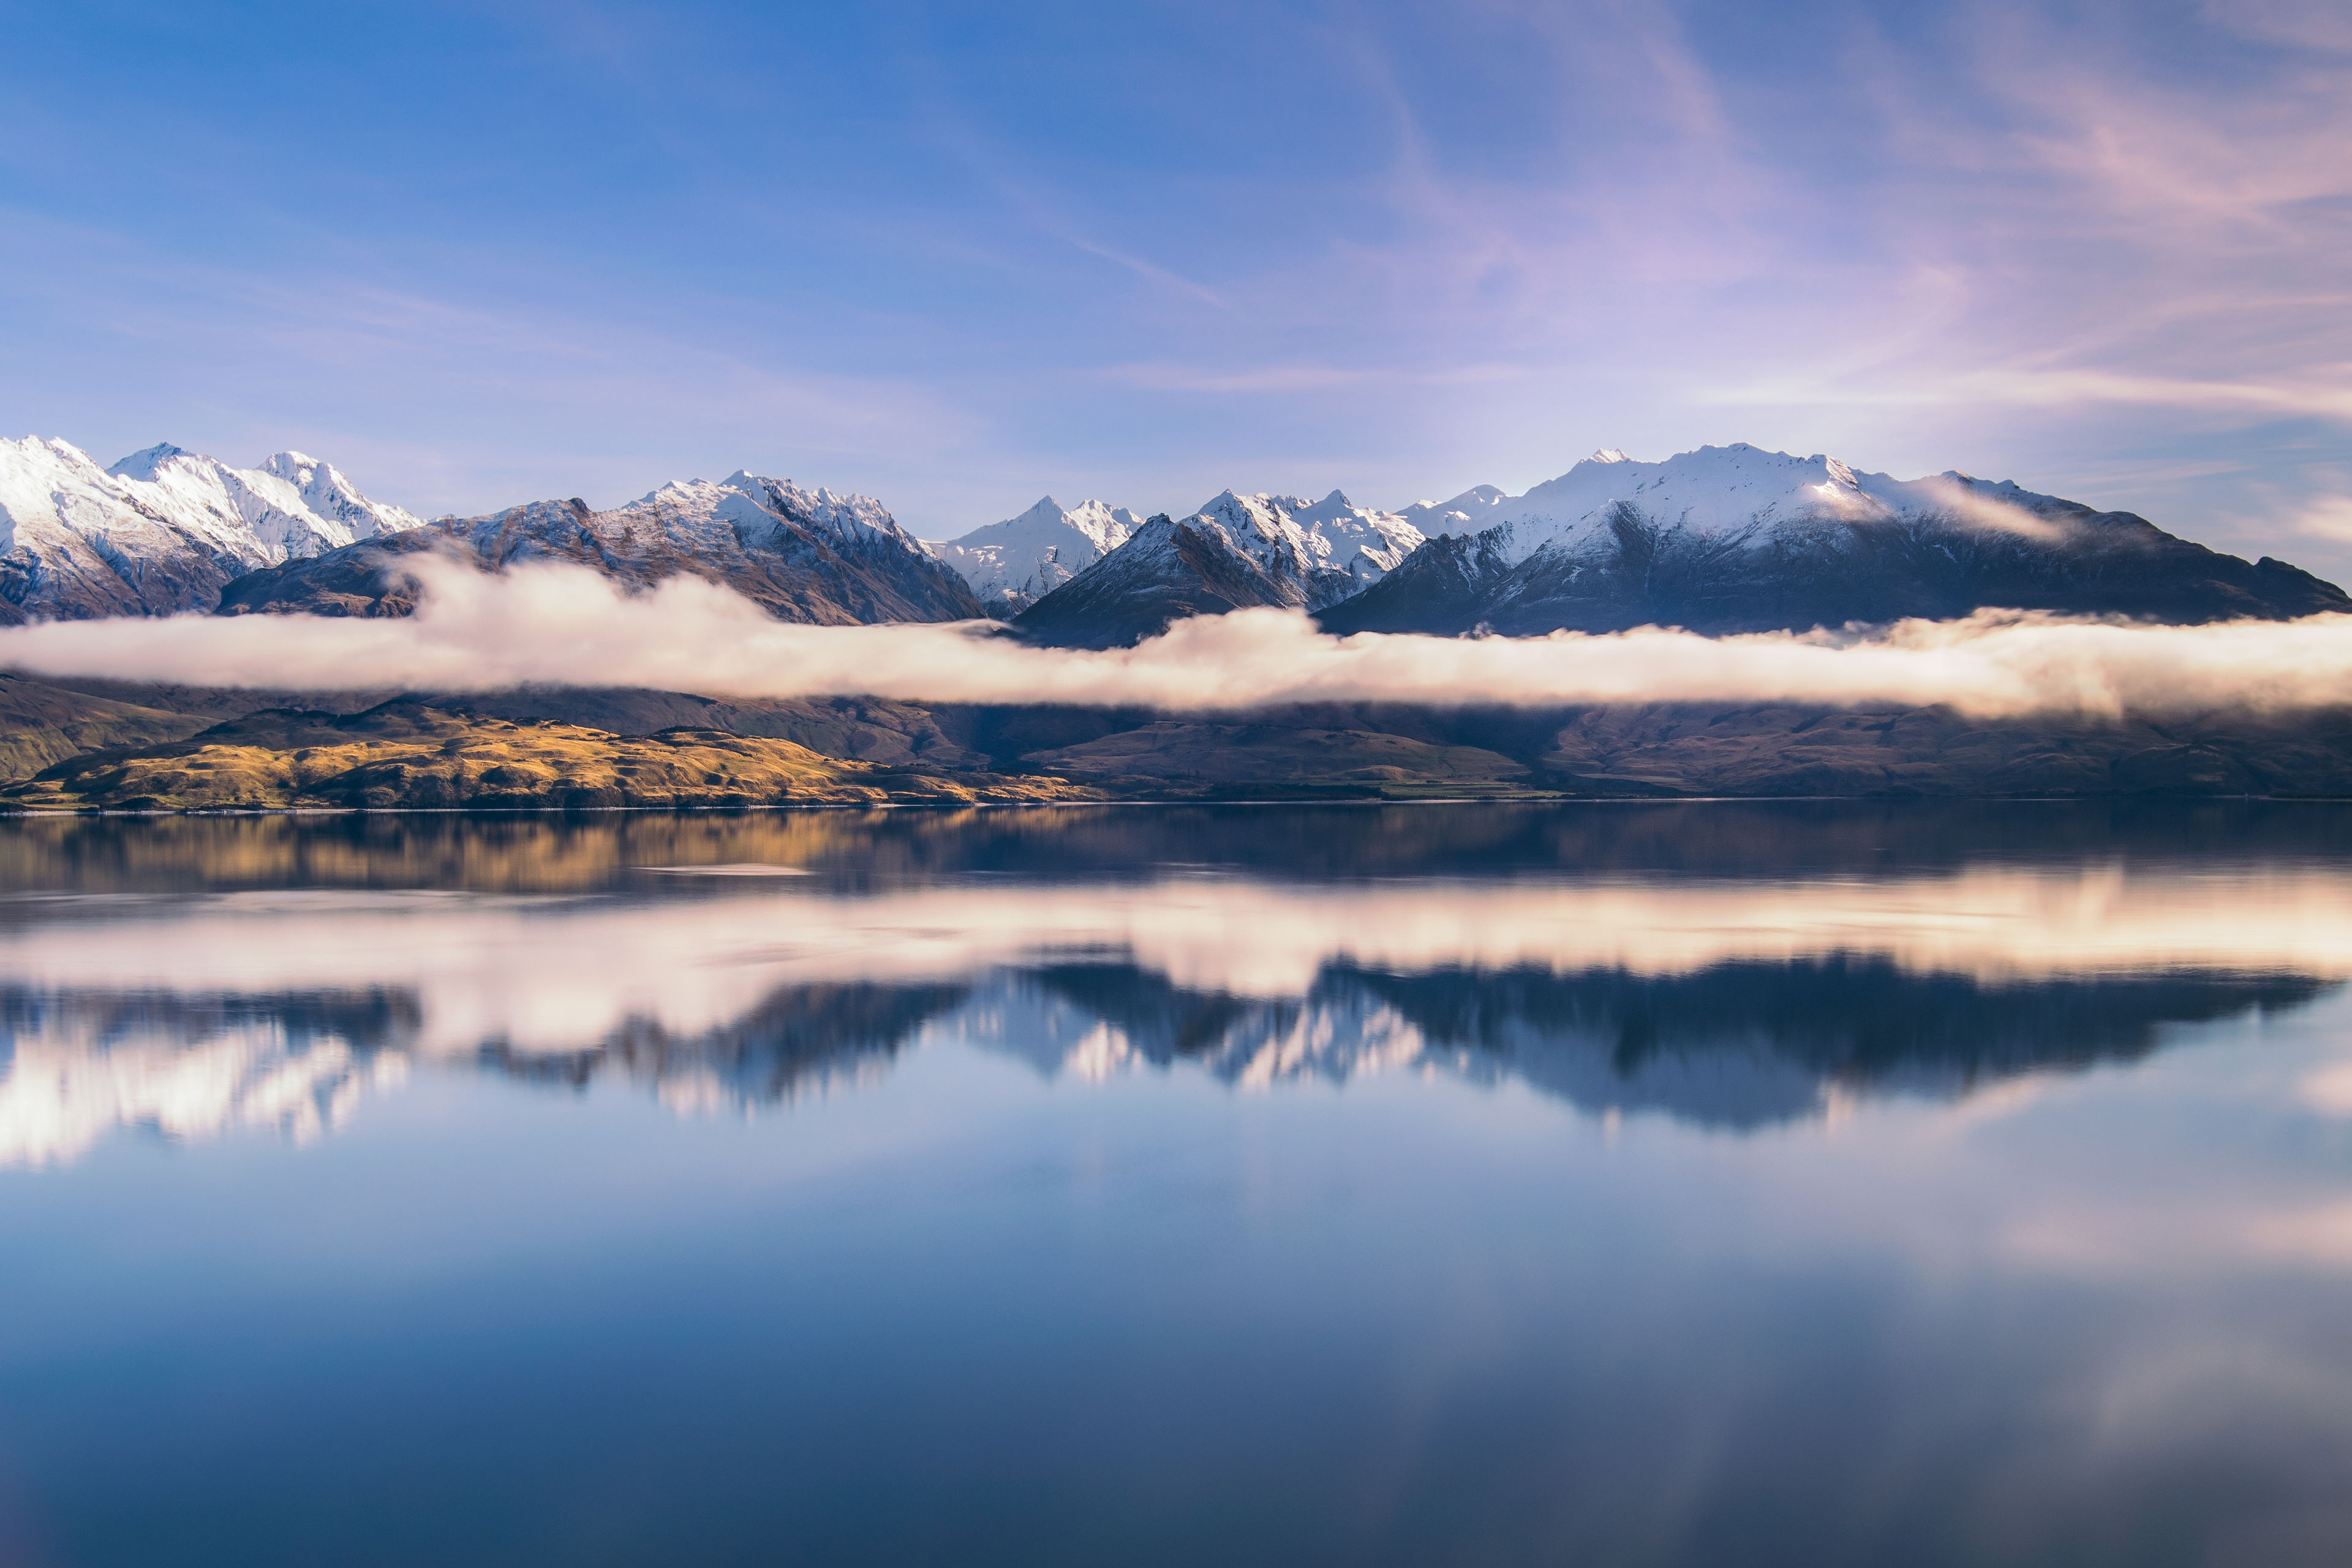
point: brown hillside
(403, 754)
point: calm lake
(1703, 1183)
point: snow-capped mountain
(1468, 512)
(1733, 539)
(1721, 539)
(1331, 548)
(161, 530)
(1167, 571)
(1013, 564)
(323, 489)
(808, 556)
(1236, 552)
(292, 501)
(1717, 491)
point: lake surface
(1707, 1184)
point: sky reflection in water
(1700, 1184)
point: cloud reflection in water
(1720, 1002)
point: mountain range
(164, 530)
(1722, 539)
(1236, 552)
(810, 556)
(1734, 539)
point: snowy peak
(276, 511)
(1259, 529)
(326, 493)
(292, 501)
(1303, 540)
(1237, 552)
(749, 510)
(1013, 564)
(142, 465)
(855, 521)
(1261, 516)
(810, 556)
(1738, 539)
(1108, 526)
(1172, 570)
(712, 520)
(1466, 513)
(160, 532)
(1721, 491)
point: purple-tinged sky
(957, 255)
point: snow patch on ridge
(163, 529)
(1331, 548)
(1013, 564)
(1466, 513)
(1720, 491)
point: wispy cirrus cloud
(2032, 387)
(1151, 252)
(2325, 517)
(1290, 378)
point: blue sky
(957, 255)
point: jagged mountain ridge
(809, 557)
(167, 530)
(1236, 552)
(1737, 540)
(162, 531)
(1013, 564)
(1722, 539)
(1472, 510)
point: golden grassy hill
(406, 755)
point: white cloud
(564, 625)
(2325, 517)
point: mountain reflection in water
(1668, 1186)
(192, 977)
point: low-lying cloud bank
(564, 624)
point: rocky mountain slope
(1236, 552)
(164, 530)
(809, 557)
(1013, 564)
(1733, 539)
